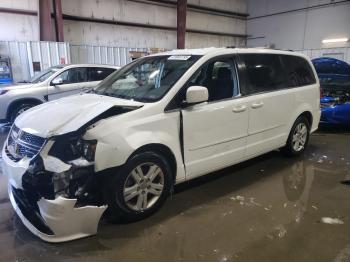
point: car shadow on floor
(334, 129)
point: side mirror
(196, 94)
(57, 81)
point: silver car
(50, 84)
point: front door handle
(257, 105)
(239, 109)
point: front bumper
(55, 220)
(336, 115)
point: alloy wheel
(299, 137)
(143, 186)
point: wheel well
(14, 104)
(162, 150)
(308, 116)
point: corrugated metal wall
(23, 54)
(46, 54)
(102, 54)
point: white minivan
(158, 121)
(50, 84)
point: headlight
(329, 102)
(88, 149)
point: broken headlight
(87, 149)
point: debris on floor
(332, 221)
(281, 231)
(322, 159)
(245, 201)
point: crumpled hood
(67, 114)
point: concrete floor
(266, 209)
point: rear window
(264, 73)
(99, 73)
(298, 70)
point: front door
(215, 132)
(73, 81)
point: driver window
(220, 77)
(74, 75)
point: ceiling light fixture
(335, 40)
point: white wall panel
(297, 30)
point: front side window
(147, 79)
(220, 77)
(264, 73)
(74, 75)
(45, 74)
(298, 70)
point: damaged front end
(335, 105)
(52, 184)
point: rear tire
(298, 137)
(139, 188)
(20, 109)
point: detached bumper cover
(57, 220)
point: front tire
(139, 188)
(298, 137)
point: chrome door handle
(239, 109)
(257, 105)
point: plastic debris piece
(314, 207)
(252, 201)
(240, 198)
(332, 221)
(285, 205)
(281, 231)
(270, 236)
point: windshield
(147, 79)
(45, 74)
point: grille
(21, 144)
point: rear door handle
(239, 109)
(257, 105)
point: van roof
(228, 50)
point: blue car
(5, 72)
(334, 78)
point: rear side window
(264, 73)
(99, 73)
(298, 70)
